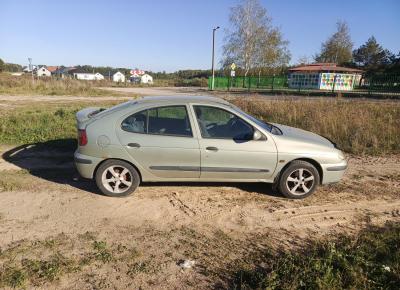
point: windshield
(267, 126)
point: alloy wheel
(116, 179)
(300, 181)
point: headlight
(341, 155)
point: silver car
(199, 139)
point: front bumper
(333, 173)
(86, 165)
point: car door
(227, 148)
(162, 140)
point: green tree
(252, 42)
(338, 47)
(371, 55)
(12, 67)
(273, 52)
(1, 65)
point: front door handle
(134, 145)
(211, 148)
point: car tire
(299, 180)
(117, 178)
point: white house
(119, 77)
(146, 79)
(43, 72)
(89, 76)
(98, 77)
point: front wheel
(117, 178)
(299, 180)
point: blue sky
(176, 34)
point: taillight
(82, 137)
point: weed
(48, 270)
(101, 251)
(12, 277)
(138, 267)
(371, 261)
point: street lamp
(212, 66)
(31, 68)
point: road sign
(233, 66)
(232, 73)
(137, 72)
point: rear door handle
(211, 148)
(134, 145)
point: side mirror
(257, 135)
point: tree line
(259, 48)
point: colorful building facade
(324, 76)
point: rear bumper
(333, 173)
(85, 164)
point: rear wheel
(299, 180)
(117, 178)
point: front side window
(171, 120)
(221, 124)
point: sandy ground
(42, 198)
(47, 209)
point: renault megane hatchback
(199, 139)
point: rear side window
(171, 121)
(136, 123)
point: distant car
(199, 139)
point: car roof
(181, 99)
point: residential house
(43, 72)
(52, 68)
(88, 76)
(146, 79)
(118, 77)
(63, 72)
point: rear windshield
(117, 107)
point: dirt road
(166, 223)
(161, 91)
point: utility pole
(212, 65)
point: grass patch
(28, 264)
(369, 261)
(358, 127)
(23, 85)
(41, 123)
(26, 126)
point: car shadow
(53, 161)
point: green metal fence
(384, 82)
(262, 82)
(378, 84)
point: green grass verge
(371, 260)
(358, 127)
